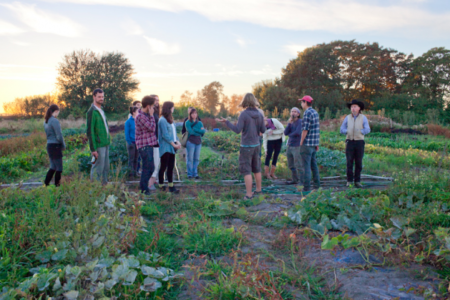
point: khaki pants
(100, 169)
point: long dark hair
(167, 111)
(193, 110)
(50, 112)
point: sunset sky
(178, 45)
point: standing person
(258, 107)
(99, 138)
(195, 130)
(294, 132)
(309, 144)
(273, 139)
(168, 145)
(137, 104)
(183, 129)
(355, 126)
(55, 144)
(146, 140)
(251, 124)
(156, 158)
(130, 137)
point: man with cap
(355, 126)
(309, 144)
(294, 132)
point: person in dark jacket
(251, 124)
(156, 158)
(55, 144)
(130, 137)
(294, 132)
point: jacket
(130, 130)
(165, 137)
(54, 132)
(294, 132)
(251, 124)
(97, 132)
(277, 134)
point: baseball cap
(306, 98)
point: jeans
(354, 151)
(148, 167)
(133, 155)
(167, 162)
(295, 163)
(273, 147)
(100, 169)
(193, 155)
(308, 154)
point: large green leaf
(150, 285)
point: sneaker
(358, 185)
(174, 190)
(152, 188)
(197, 177)
(190, 177)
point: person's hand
(270, 132)
(222, 120)
(95, 154)
(178, 146)
(202, 128)
(317, 148)
(290, 120)
(151, 111)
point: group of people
(152, 143)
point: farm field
(85, 241)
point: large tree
(82, 71)
(210, 97)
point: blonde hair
(249, 100)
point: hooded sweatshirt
(251, 124)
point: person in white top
(273, 139)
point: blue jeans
(193, 158)
(308, 154)
(148, 167)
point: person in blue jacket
(294, 132)
(130, 137)
(195, 131)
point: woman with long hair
(130, 137)
(195, 131)
(273, 139)
(168, 144)
(55, 144)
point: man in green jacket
(99, 138)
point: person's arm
(298, 130)
(58, 132)
(127, 132)
(239, 126)
(262, 125)
(366, 127)
(305, 126)
(183, 130)
(344, 126)
(199, 130)
(90, 132)
(287, 131)
(304, 133)
(164, 133)
(279, 127)
(149, 123)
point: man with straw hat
(355, 126)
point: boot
(49, 177)
(174, 190)
(272, 172)
(266, 172)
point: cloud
(348, 16)
(19, 43)
(9, 29)
(293, 49)
(44, 22)
(159, 47)
(132, 28)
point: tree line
(384, 78)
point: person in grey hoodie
(55, 144)
(251, 124)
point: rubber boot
(49, 177)
(272, 172)
(266, 172)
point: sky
(179, 45)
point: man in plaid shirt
(309, 144)
(146, 140)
